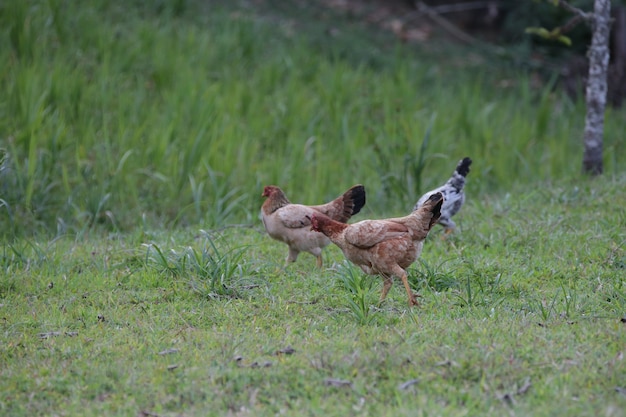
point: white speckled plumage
(453, 194)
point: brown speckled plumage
(384, 247)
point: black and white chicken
(453, 195)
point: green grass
(521, 313)
(177, 113)
(136, 279)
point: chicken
(453, 195)
(384, 247)
(290, 223)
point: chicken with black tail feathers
(453, 194)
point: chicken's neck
(420, 223)
(331, 228)
(274, 203)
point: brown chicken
(384, 247)
(291, 223)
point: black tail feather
(357, 195)
(463, 168)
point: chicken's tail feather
(463, 168)
(353, 201)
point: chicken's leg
(448, 226)
(291, 256)
(388, 281)
(319, 262)
(445, 234)
(412, 299)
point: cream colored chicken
(385, 247)
(291, 224)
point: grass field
(136, 278)
(522, 313)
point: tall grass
(179, 112)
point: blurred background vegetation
(157, 114)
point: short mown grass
(522, 312)
(136, 278)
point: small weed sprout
(545, 309)
(570, 301)
(359, 287)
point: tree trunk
(617, 74)
(596, 87)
